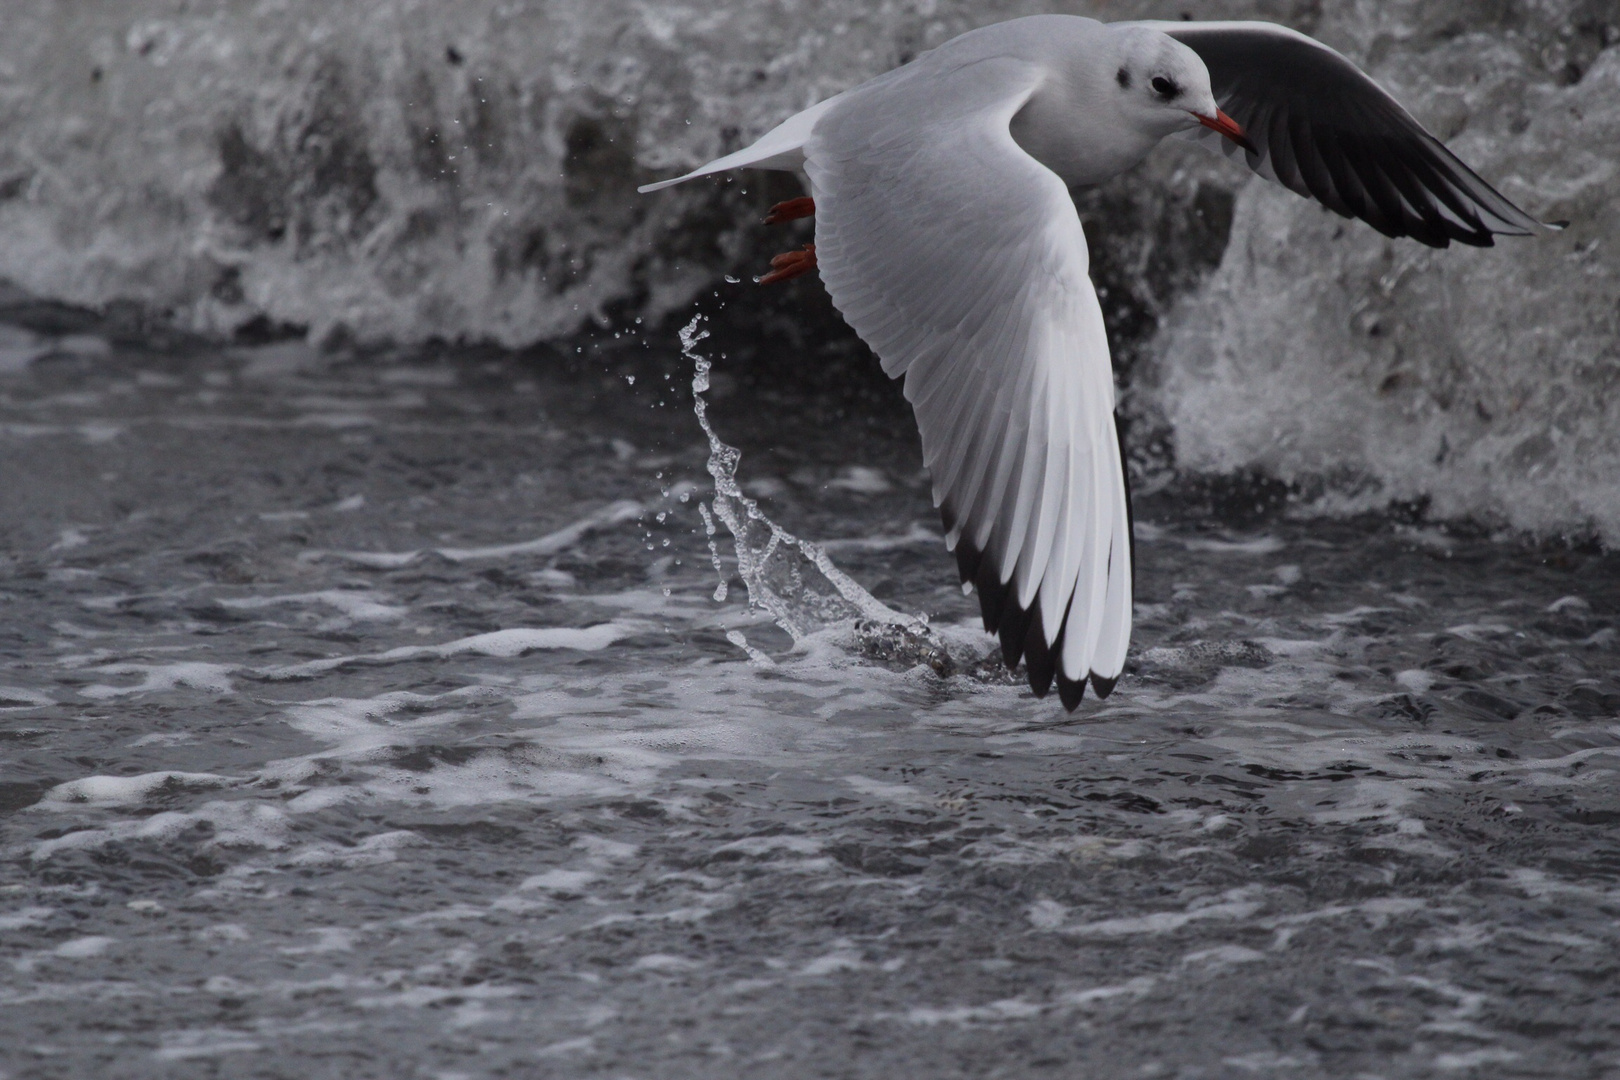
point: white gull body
(947, 238)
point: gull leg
(791, 210)
(789, 265)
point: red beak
(1226, 126)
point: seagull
(946, 236)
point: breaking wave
(391, 171)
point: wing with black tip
(1319, 126)
(960, 260)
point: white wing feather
(960, 259)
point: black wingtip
(992, 597)
(1014, 630)
(978, 571)
(967, 560)
(1071, 691)
(1022, 630)
(1040, 661)
(1560, 225)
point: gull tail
(780, 148)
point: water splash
(790, 578)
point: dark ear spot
(1123, 77)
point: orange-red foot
(789, 265)
(792, 210)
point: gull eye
(1164, 87)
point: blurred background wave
(410, 172)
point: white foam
(1131, 988)
(164, 738)
(70, 538)
(861, 479)
(160, 677)
(602, 849)
(1415, 680)
(82, 947)
(1222, 956)
(994, 1012)
(371, 851)
(1012, 1009)
(1260, 545)
(844, 958)
(554, 542)
(107, 791)
(502, 644)
(550, 544)
(94, 432)
(1457, 1061)
(665, 962)
(1045, 914)
(903, 794)
(650, 602)
(576, 739)
(356, 726)
(18, 920)
(194, 1043)
(13, 698)
(357, 606)
(1236, 906)
(570, 881)
(237, 824)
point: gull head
(1111, 94)
(1161, 86)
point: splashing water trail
(792, 579)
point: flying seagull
(946, 236)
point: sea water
(437, 712)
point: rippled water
(374, 716)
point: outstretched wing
(1321, 127)
(960, 260)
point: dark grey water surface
(357, 720)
